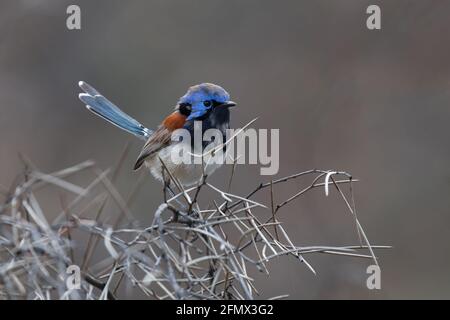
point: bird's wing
(158, 140)
(161, 138)
(98, 104)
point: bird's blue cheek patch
(198, 110)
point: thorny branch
(188, 252)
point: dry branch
(188, 252)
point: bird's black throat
(216, 118)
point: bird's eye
(207, 103)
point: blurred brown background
(374, 103)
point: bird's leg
(173, 194)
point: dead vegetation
(188, 252)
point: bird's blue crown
(201, 98)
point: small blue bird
(206, 102)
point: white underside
(188, 174)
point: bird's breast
(189, 172)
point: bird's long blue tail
(98, 104)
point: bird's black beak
(228, 104)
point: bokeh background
(373, 103)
